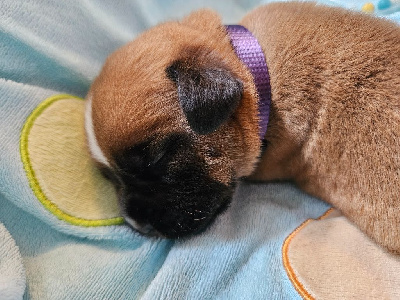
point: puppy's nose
(145, 229)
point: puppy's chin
(146, 229)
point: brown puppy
(159, 129)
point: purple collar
(250, 53)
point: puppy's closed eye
(151, 160)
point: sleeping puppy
(174, 118)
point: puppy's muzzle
(164, 188)
(177, 209)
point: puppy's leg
(351, 160)
(349, 157)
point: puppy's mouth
(175, 216)
(176, 229)
(165, 190)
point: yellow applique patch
(330, 258)
(59, 167)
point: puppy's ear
(208, 95)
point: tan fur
(335, 116)
(335, 126)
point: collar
(250, 53)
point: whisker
(202, 212)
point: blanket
(61, 235)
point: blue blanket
(53, 47)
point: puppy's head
(172, 121)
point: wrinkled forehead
(132, 98)
(122, 120)
(128, 107)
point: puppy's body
(334, 124)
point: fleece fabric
(12, 279)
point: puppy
(173, 118)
